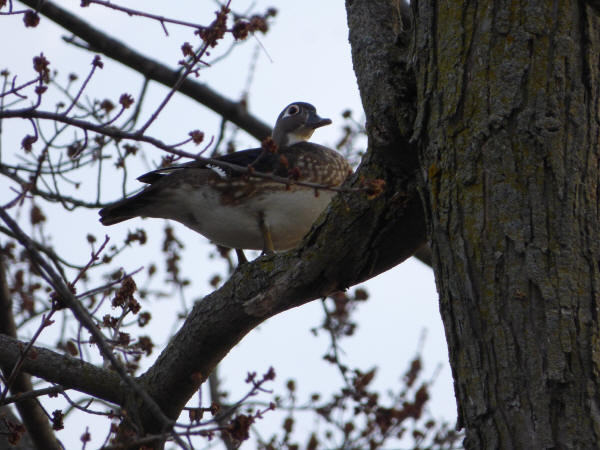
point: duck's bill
(315, 121)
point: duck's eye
(292, 110)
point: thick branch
(69, 372)
(383, 232)
(151, 69)
(357, 239)
(380, 39)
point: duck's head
(296, 123)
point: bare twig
(95, 64)
(215, 397)
(46, 322)
(21, 397)
(133, 12)
(119, 134)
(189, 66)
(151, 69)
(68, 299)
(49, 195)
(15, 89)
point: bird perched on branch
(239, 209)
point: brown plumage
(241, 211)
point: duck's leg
(266, 233)
(240, 256)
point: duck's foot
(240, 256)
(268, 248)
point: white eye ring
(292, 111)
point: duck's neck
(290, 138)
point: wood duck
(238, 210)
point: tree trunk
(507, 130)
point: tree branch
(135, 136)
(34, 418)
(69, 372)
(50, 196)
(384, 232)
(151, 69)
(21, 397)
(67, 298)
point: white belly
(288, 215)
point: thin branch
(96, 63)
(14, 373)
(119, 134)
(49, 195)
(151, 69)
(334, 344)
(182, 77)
(190, 67)
(215, 397)
(131, 121)
(15, 89)
(85, 409)
(32, 394)
(68, 299)
(108, 285)
(133, 12)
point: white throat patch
(294, 138)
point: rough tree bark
(508, 137)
